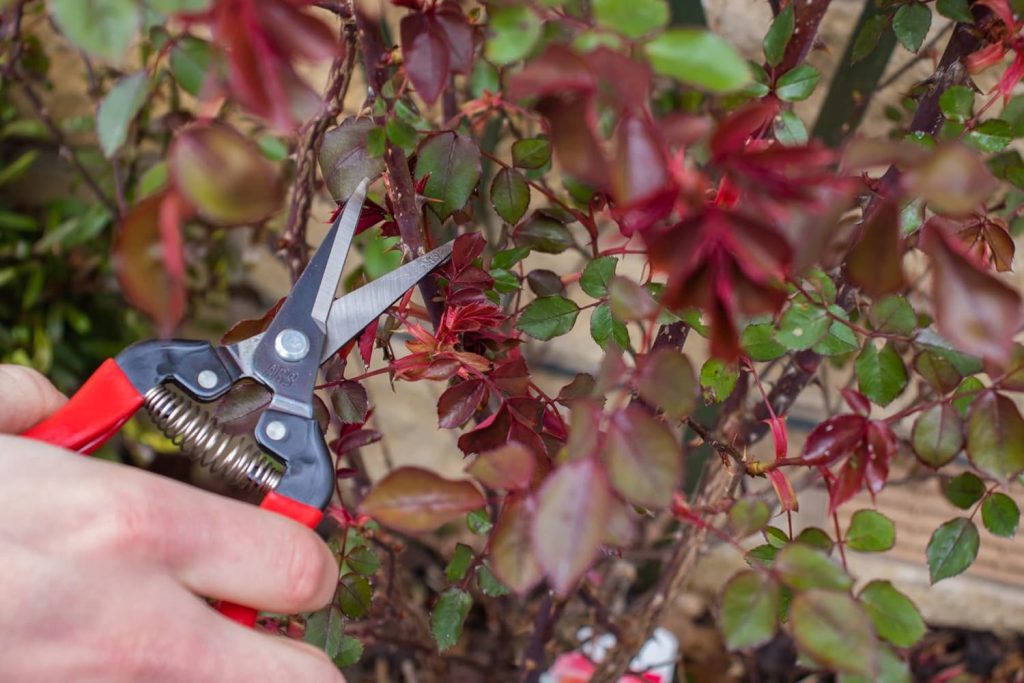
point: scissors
(286, 456)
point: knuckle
(307, 570)
(136, 523)
(148, 655)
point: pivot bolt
(276, 430)
(291, 345)
(207, 379)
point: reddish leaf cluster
(437, 42)
(571, 91)
(727, 256)
(260, 42)
(864, 447)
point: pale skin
(103, 565)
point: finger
(222, 548)
(234, 654)
(26, 397)
(155, 632)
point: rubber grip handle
(293, 509)
(94, 413)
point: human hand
(102, 566)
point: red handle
(99, 408)
(94, 413)
(293, 509)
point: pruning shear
(286, 456)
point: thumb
(26, 397)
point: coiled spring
(200, 436)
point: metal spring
(200, 436)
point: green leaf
(448, 616)
(401, 134)
(995, 436)
(100, 27)
(548, 317)
(479, 522)
(763, 554)
(748, 515)
(778, 35)
(776, 537)
(895, 617)
(325, 629)
(937, 371)
(544, 234)
(840, 338)
(964, 490)
(597, 275)
(452, 162)
(531, 153)
(797, 84)
(990, 136)
(505, 281)
(190, 62)
(758, 341)
(938, 435)
(515, 29)
(868, 36)
(893, 314)
(802, 326)
(489, 583)
(345, 157)
(510, 195)
(699, 58)
(509, 257)
(354, 596)
(484, 79)
(349, 653)
(15, 169)
(178, 6)
(645, 463)
(632, 18)
(952, 549)
(911, 23)
(666, 379)
(629, 300)
(801, 568)
(815, 538)
(376, 142)
(789, 129)
(718, 379)
(604, 328)
(1000, 515)
(870, 531)
(363, 560)
(834, 631)
(969, 390)
(891, 669)
(749, 610)
(881, 375)
(957, 10)
(957, 103)
(462, 556)
(272, 147)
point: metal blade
(352, 312)
(336, 259)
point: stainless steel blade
(336, 259)
(352, 312)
